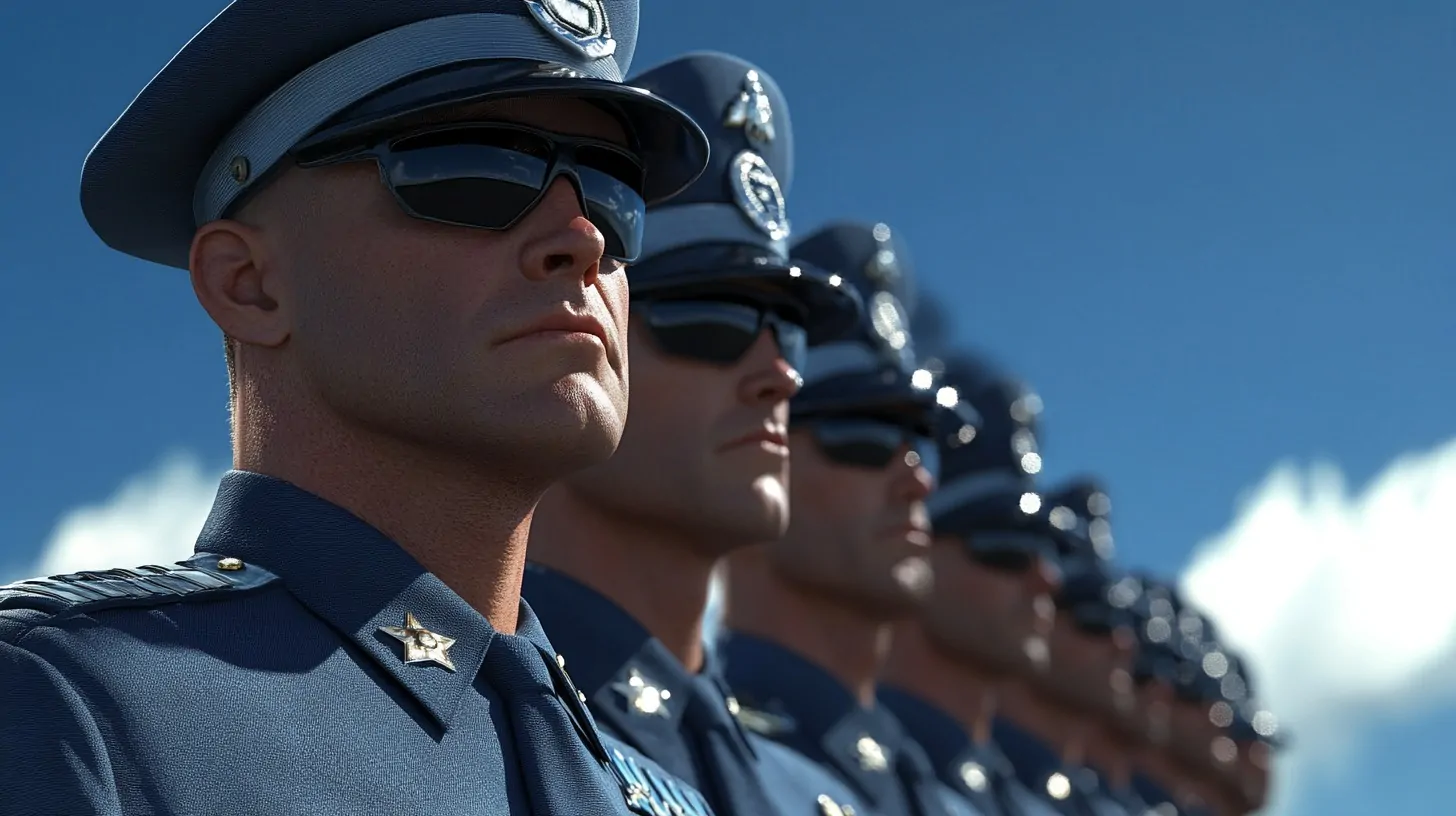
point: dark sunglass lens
(701, 330)
(1002, 559)
(617, 211)
(614, 164)
(863, 443)
(468, 184)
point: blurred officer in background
(1100, 598)
(407, 218)
(1211, 745)
(1052, 718)
(991, 608)
(623, 553)
(809, 616)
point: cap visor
(829, 312)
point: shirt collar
(630, 677)
(806, 708)
(952, 752)
(356, 579)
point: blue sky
(1216, 237)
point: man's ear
(240, 283)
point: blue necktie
(730, 781)
(562, 777)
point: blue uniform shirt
(1075, 791)
(981, 772)
(1163, 801)
(268, 674)
(640, 693)
(803, 707)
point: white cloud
(1341, 600)
(153, 518)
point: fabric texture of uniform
(812, 713)
(980, 772)
(261, 677)
(641, 694)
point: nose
(914, 482)
(561, 240)
(769, 378)
(1046, 578)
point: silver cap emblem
(580, 24)
(884, 266)
(752, 111)
(757, 192)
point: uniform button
(581, 696)
(230, 564)
(561, 661)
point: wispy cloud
(1342, 601)
(152, 518)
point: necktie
(562, 778)
(728, 776)
(918, 780)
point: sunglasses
(1007, 551)
(866, 443)
(719, 332)
(490, 176)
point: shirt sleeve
(52, 755)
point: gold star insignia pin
(420, 644)
(644, 696)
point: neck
(1110, 755)
(465, 524)
(1059, 727)
(655, 575)
(826, 631)
(1155, 762)
(963, 690)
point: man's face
(409, 330)
(1090, 671)
(1196, 740)
(858, 533)
(998, 618)
(1253, 772)
(705, 448)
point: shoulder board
(202, 576)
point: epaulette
(203, 576)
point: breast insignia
(763, 723)
(652, 793)
(202, 576)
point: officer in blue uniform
(807, 615)
(623, 553)
(1211, 745)
(1056, 719)
(995, 561)
(408, 218)
(1100, 598)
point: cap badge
(579, 24)
(884, 266)
(756, 191)
(752, 111)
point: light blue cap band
(674, 227)
(311, 98)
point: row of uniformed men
(349, 636)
